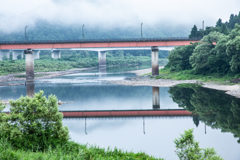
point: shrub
(188, 148)
(34, 123)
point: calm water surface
(87, 90)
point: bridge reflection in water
(154, 112)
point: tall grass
(69, 151)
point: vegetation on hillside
(216, 55)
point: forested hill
(47, 31)
(215, 56)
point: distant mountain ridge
(46, 31)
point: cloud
(15, 14)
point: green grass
(188, 75)
(70, 151)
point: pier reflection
(30, 87)
(102, 71)
(155, 98)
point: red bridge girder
(125, 113)
(97, 45)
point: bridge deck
(108, 43)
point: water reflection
(30, 87)
(215, 108)
(86, 126)
(102, 71)
(155, 98)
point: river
(215, 126)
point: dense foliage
(179, 58)
(188, 148)
(34, 123)
(215, 108)
(216, 54)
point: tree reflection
(215, 108)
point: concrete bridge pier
(155, 98)
(4, 53)
(56, 54)
(29, 65)
(102, 58)
(30, 87)
(155, 67)
(36, 54)
(16, 53)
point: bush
(34, 123)
(188, 148)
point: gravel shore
(11, 77)
(146, 80)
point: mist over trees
(46, 31)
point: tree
(194, 32)
(179, 58)
(120, 53)
(233, 49)
(231, 23)
(188, 148)
(34, 123)
(224, 29)
(4, 58)
(203, 58)
(219, 23)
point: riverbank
(46, 75)
(146, 80)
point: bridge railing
(102, 40)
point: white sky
(15, 14)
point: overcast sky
(15, 14)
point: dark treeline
(217, 53)
(215, 108)
(221, 27)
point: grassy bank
(70, 150)
(189, 75)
